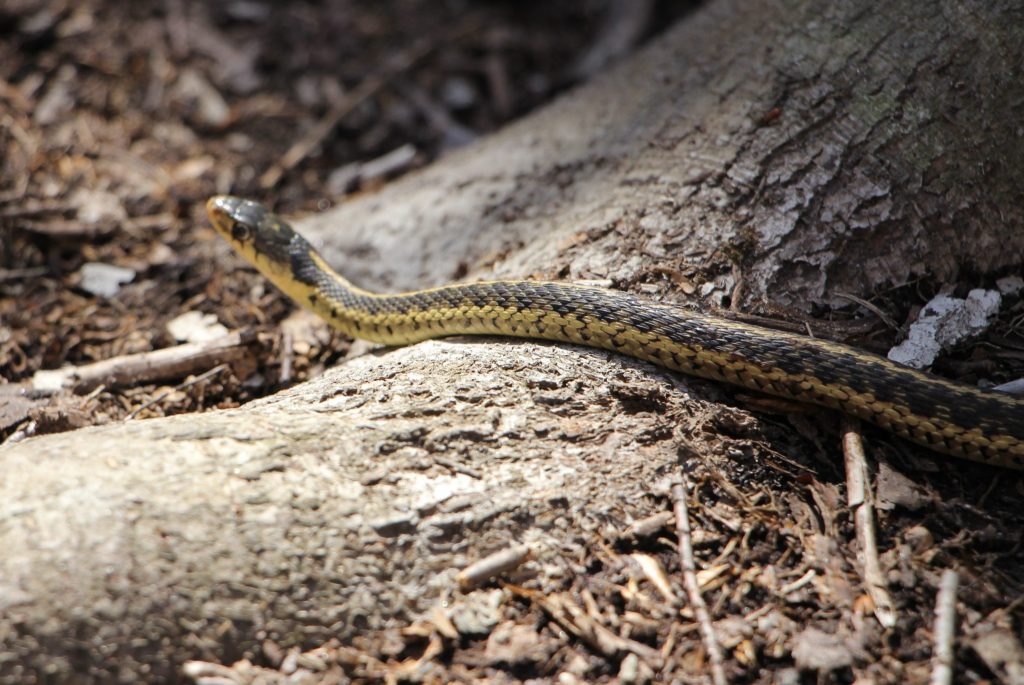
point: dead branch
(131, 369)
(945, 628)
(689, 566)
(859, 498)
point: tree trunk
(809, 149)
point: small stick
(35, 209)
(689, 565)
(180, 386)
(18, 274)
(859, 499)
(798, 583)
(499, 562)
(648, 526)
(170, 362)
(287, 352)
(736, 297)
(578, 622)
(945, 627)
(886, 319)
(456, 467)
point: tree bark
(818, 149)
(825, 149)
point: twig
(945, 627)
(456, 467)
(689, 566)
(171, 362)
(287, 353)
(736, 297)
(798, 583)
(655, 574)
(648, 526)
(859, 499)
(886, 319)
(576, 621)
(479, 572)
(388, 164)
(366, 89)
(35, 209)
(26, 272)
(180, 386)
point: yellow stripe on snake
(944, 416)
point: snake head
(251, 228)
(269, 243)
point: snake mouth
(220, 206)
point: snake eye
(240, 232)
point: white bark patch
(945, 322)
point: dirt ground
(120, 119)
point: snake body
(944, 416)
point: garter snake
(944, 416)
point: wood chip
(499, 562)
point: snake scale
(947, 417)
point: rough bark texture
(829, 148)
(826, 148)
